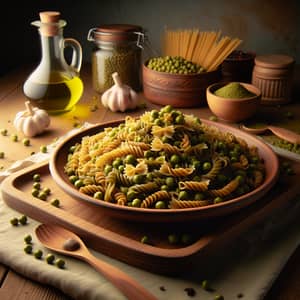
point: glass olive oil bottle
(55, 85)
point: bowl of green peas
(176, 81)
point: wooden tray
(121, 239)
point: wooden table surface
(14, 285)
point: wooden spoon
(66, 242)
(282, 133)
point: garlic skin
(32, 121)
(120, 97)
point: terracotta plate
(59, 159)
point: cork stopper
(49, 16)
(50, 22)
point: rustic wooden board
(121, 239)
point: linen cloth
(247, 269)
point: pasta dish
(164, 160)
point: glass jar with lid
(118, 48)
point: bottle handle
(77, 53)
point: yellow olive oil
(56, 96)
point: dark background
(265, 26)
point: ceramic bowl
(233, 109)
(176, 89)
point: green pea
(42, 195)
(213, 118)
(131, 195)
(43, 149)
(107, 169)
(145, 240)
(130, 159)
(38, 254)
(173, 238)
(72, 149)
(4, 132)
(205, 284)
(158, 122)
(26, 142)
(36, 177)
(14, 138)
(164, 187)
(160, 205)
(219, 297)
(121, 168)
(14, 221)
(47, 191)
(55, 202)
(186, 239)
(199, 196)
(23, 220)
(179, 119)
(73, 179)
(149, 176)
(170, 182)
(136, 202)
(99, 195)
(35, 192)
(138, 178)
(218, 200)
(78, 183)
(28, 239)
(154, 114)
(183, 195)
(60, 263)
(28, 249)
(50, 258)
(117, 162)
(175, 159)
(36, 185)
(206, 166)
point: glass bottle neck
(51, 48)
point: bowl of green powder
(234, 101)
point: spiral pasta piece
(226, 190)
(174, 203)
(166, 169)
(159, 195)
(91, 189)
(144, 188)
(258, 178)
(185, 143)
(199, 186)
(218, 164)
(120, 198)
(100, 178)
(243, 162)
(119, 152)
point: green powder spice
(233, 90)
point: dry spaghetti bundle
(206, 48)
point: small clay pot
(233, 109)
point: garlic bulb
(120, 97)
(32, 121)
